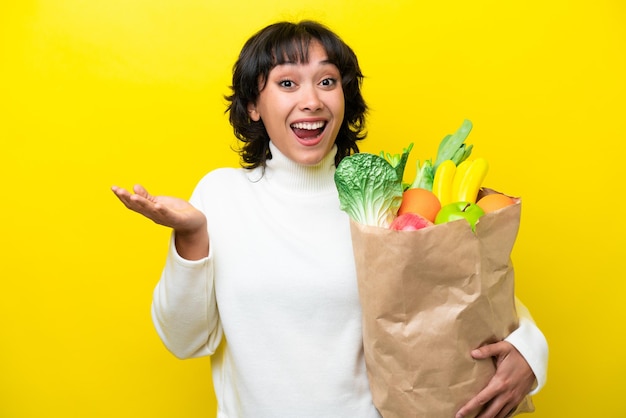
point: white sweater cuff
(532, 345)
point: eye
(286, 84)
(328, 82)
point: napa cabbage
(370, 187)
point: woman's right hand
(189, 224)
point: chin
(310, 160)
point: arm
(184, 309)
(521, 367)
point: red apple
(410, 222)
(460, 210)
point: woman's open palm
(164, 210)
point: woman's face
(302, 107)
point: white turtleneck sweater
(276, 302)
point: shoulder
(222, 189)
(225, 179)
(217, 183)
(222, 174)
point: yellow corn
(472, 180)
(442, 183)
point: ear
(253, 113)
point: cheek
(341, 104)
(340, 110)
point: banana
(442, 184)
(471, 181)
(461, 169)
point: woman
(260, 274)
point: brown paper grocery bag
(429, 297)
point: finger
(123, 195)
(127, 197)
(497, 407)
(134, 202)
(490, 350)
(119, 191)
(474, 405)
(141, 203)
(507, 411)
(487, 396)
(493, 410)
(157, 212)
(141, 191)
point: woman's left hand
(507, 388)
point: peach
(494, 201)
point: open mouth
(308, 130)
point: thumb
(490, 350)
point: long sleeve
(184, 308)
(531, 343)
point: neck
(298, 178)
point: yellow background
(96, 93)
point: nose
(310, 98)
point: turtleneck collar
(297, 178)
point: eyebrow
(322, 62)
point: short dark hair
(288, 42)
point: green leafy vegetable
(452, 147)
(398, 161)
(425, 175)
(370, 187)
